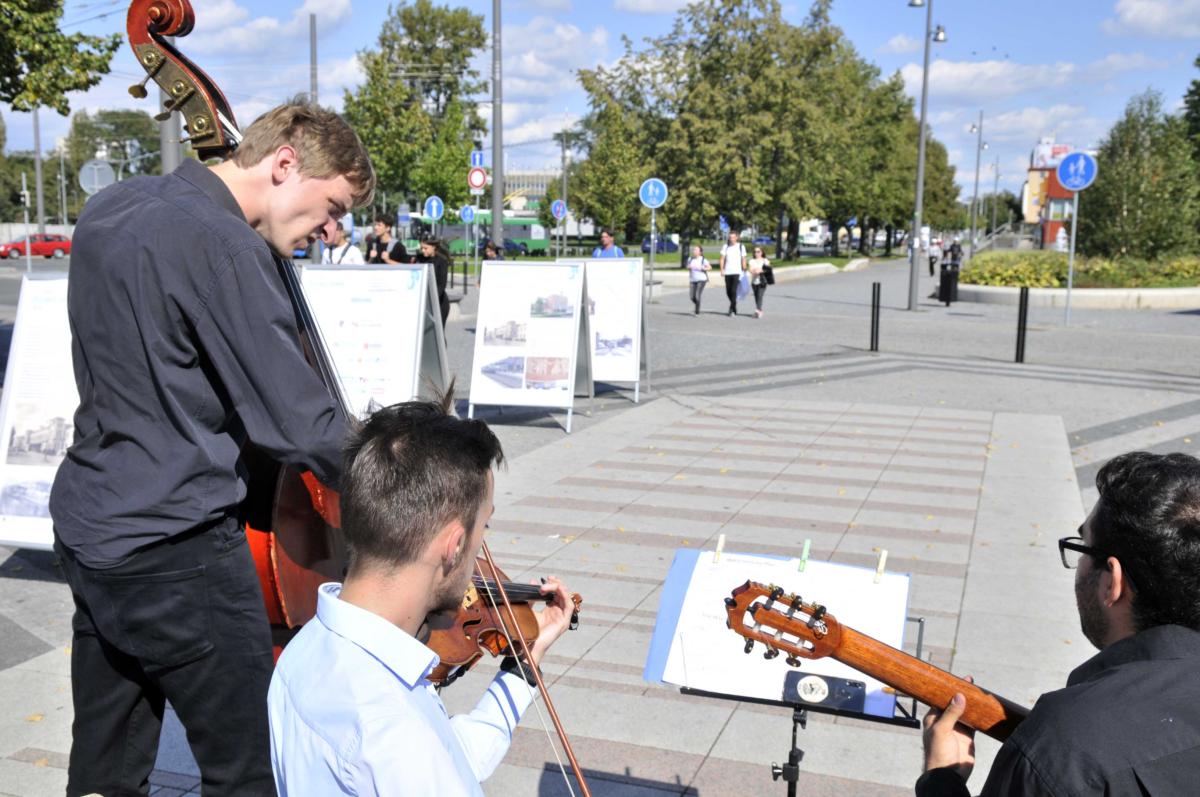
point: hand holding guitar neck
(784, 623)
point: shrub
(1041, 269)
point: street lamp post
(995, 194)
(980, 146)
(915, 238)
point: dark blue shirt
(185, 347)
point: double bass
(292, 520)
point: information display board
(615, 289)
(530, 328)
(380, 328)
(692, 647)
(36, 411)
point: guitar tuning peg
(162, 117)
(730, 602)
(749, 646)
(771, 653)
(793, 661)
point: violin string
(488, 585)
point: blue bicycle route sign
(1077, 171)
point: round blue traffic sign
(653, 193)
(1077, 171)
(435, 208)
(558, 209)
(467, 213)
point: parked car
(41, 245)
(663, 245)
(511, 247)
(763, 240)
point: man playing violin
(352, 709)
(1128, 721)
(185, 347)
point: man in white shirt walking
(733, 263)
(352, 710)
(343, 252)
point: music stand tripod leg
(790, 772)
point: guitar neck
(985, 712)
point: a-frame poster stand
(619, 349)
(531, 339)
(383, 328)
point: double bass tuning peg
(139, 89)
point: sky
(1034, 68)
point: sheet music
(704, 654)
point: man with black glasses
(1128, 721)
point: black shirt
(184, 345)
(1128, 722)
(376, 248)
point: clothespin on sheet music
(720, 547)
(881, 565)
(804, 556)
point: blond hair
(325, 145)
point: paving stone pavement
(965, 466)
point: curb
(1094, 298)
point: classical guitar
(785, 623)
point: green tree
(429, 49)
(128, 138)
(391, 125)
(39, 64)
(606, 190)
(441, 166)
(1145, 201)
(1191, 114)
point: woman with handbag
(698, 268)
(760, 278)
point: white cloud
(542, 57)
(955, 81)
(226, 27)
(548, 5)
(649, 6)
(1166, 19)
(900, 44)
(1031, 123)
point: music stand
(842, 698)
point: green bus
(525, 231)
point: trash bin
(948, 287)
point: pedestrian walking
(698, 268)
(758, 266)
(935, 254)
(733, 263)
(435, 252)
(956, 252)
(607, 248)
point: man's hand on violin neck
(553, 619)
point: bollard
(876, 290)
(466, 277)
(1022, 320)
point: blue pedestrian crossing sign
(467, 213)
(434, 208)
(653, 193)
(476, 158)
(558, 209)
(1077, 171)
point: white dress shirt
(352, 712)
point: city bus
(526, 231)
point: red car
(42, 245)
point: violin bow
(541, 685)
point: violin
(293, 522)
(482, 625)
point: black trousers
(182, 620)
(759, 289)
(731, 286)
(696, 290)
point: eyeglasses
(1072, 549)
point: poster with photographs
(378, 322)
(36, 411)
(615, 289)
(527, 334)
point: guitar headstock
(783, 622)
(212, 129)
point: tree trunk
(793, 231)
(779, 235)
(888, 232)
(834, 228)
